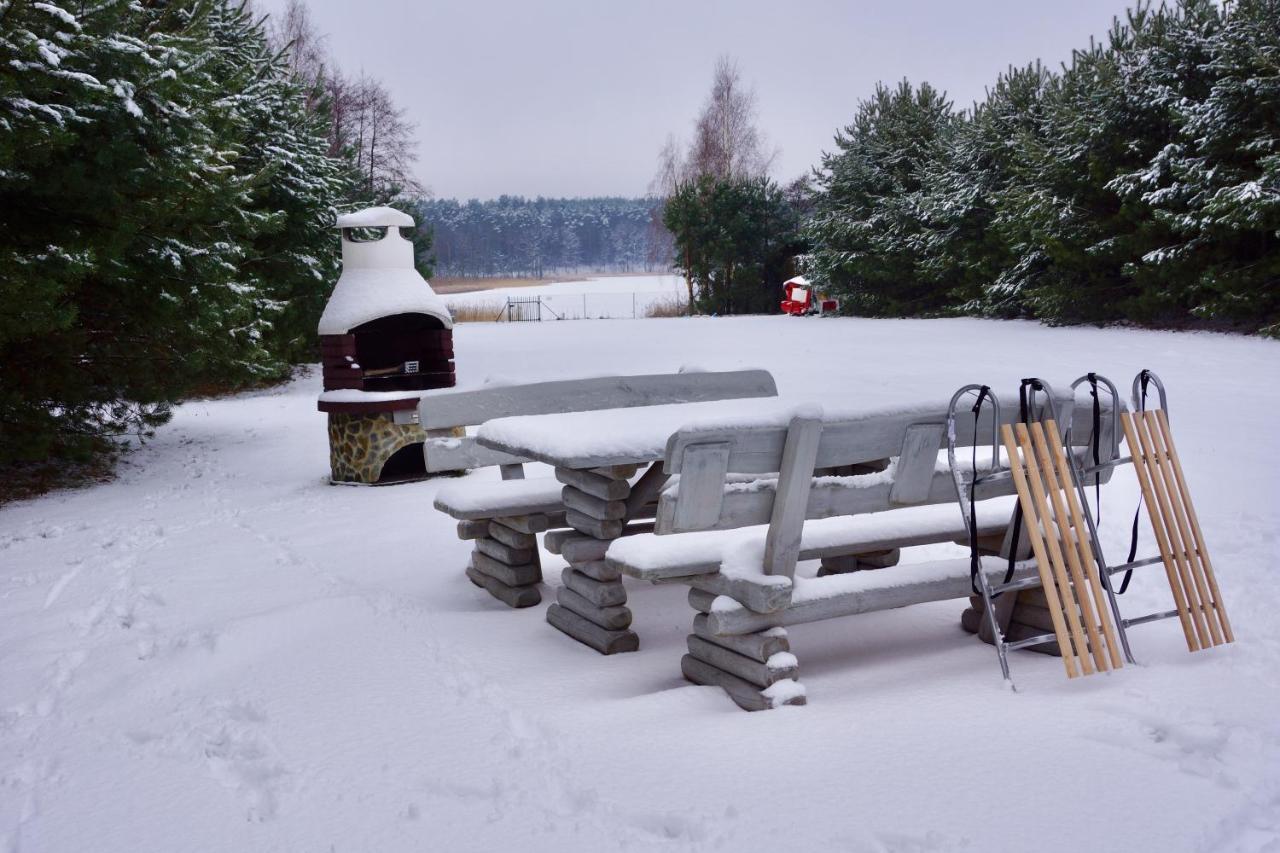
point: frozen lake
(604, 297)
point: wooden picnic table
(596, 455)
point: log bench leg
(1026, 616)
(591, 605)
(757, 670)
(505, 562)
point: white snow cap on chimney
(375, 217)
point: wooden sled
(1198, 604)
(1061, 542)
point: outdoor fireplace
(385, 337)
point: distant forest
(515, 236)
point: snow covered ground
(616, 296)
(220, 651)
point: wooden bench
(736, 543)
(502, 518)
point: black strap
(975, 560)
(1144, 379)
(1024, 416)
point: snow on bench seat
(501, 499)
(817, 599)
(741, 550)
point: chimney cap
(375, 217)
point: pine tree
(1216, 188)
(868, 227)
(115, 191)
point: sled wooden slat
(1162, 506)
(1048, 581)
(1038, 515)
(1070, 554)
(1182, 527)
(1027, 482)
(1140, 466)
(1090, 566)
(1197, 534)
(1076, 546)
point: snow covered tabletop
(639, 434)
(620, 436)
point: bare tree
(382, 138)
(364, 122)
(727, 143)
(295, 35)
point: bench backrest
(910, 438)
(472, 408)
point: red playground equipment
(801, 299)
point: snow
(374, 217)
(470, 497)
(219, 651)
(627, 434)
(617, 297)
(362, 295)
(353, 395)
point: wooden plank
(510, 536)
(504, 553)
(599, 570)
(1068, 542)
(867, 437)
(786, 524)
(616, 472)
(521, 575)
(590, 505)
(511, 471)
(1196, 532)
(593, 526)
(744, 508)
(516, 504)
(1160, 506)
(745, 695)
(1180, 528)
(594, 485)
(532, 523)
(473, 529)
(759, 674)
(1048, 580)
(759, 647)
(614, 618)
(468, 408)
(1036, 514)
(1080, 532)
(703, 468)
(599, 593)
(461, 454)
(740, 620)
(917, 461)
(763, 594)
(603, 640)
(512, 596)
(1141, 469)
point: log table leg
(591, 605)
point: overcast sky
(575, 97)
